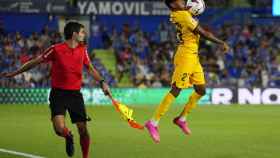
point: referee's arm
(96, 75)
(44, 57)
(25, 67)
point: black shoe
(69, 145)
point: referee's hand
(226, 47)
(106, 90)
(7, 75)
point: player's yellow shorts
(187, 69)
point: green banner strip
(129, 96)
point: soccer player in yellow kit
(188, 70)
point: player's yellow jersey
(185, 25)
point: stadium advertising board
(34, 6)
(149, 96)
(140, 97)
(144, 8)
(242, 96)
(276, 8)
(86, 7)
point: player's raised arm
(210, 36)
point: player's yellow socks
(193, 99)
(164, 106)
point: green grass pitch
(218, 132)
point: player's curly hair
(70, 28)
(168, 3)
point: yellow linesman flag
(126, 114)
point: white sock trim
(183, 118)
(154, 122)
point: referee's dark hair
(168, 3)
(70, 28)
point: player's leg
(198, 80)
(152, 124)
(84, 138)
(58, 110)
(180, 80)
(165, 103)
(193, 99)
(78, 116)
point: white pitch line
(19, 153)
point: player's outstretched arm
(25, 67)
(208, 35)
(96, 75)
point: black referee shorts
(71, 100)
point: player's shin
(163, 107)
(191, 104)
